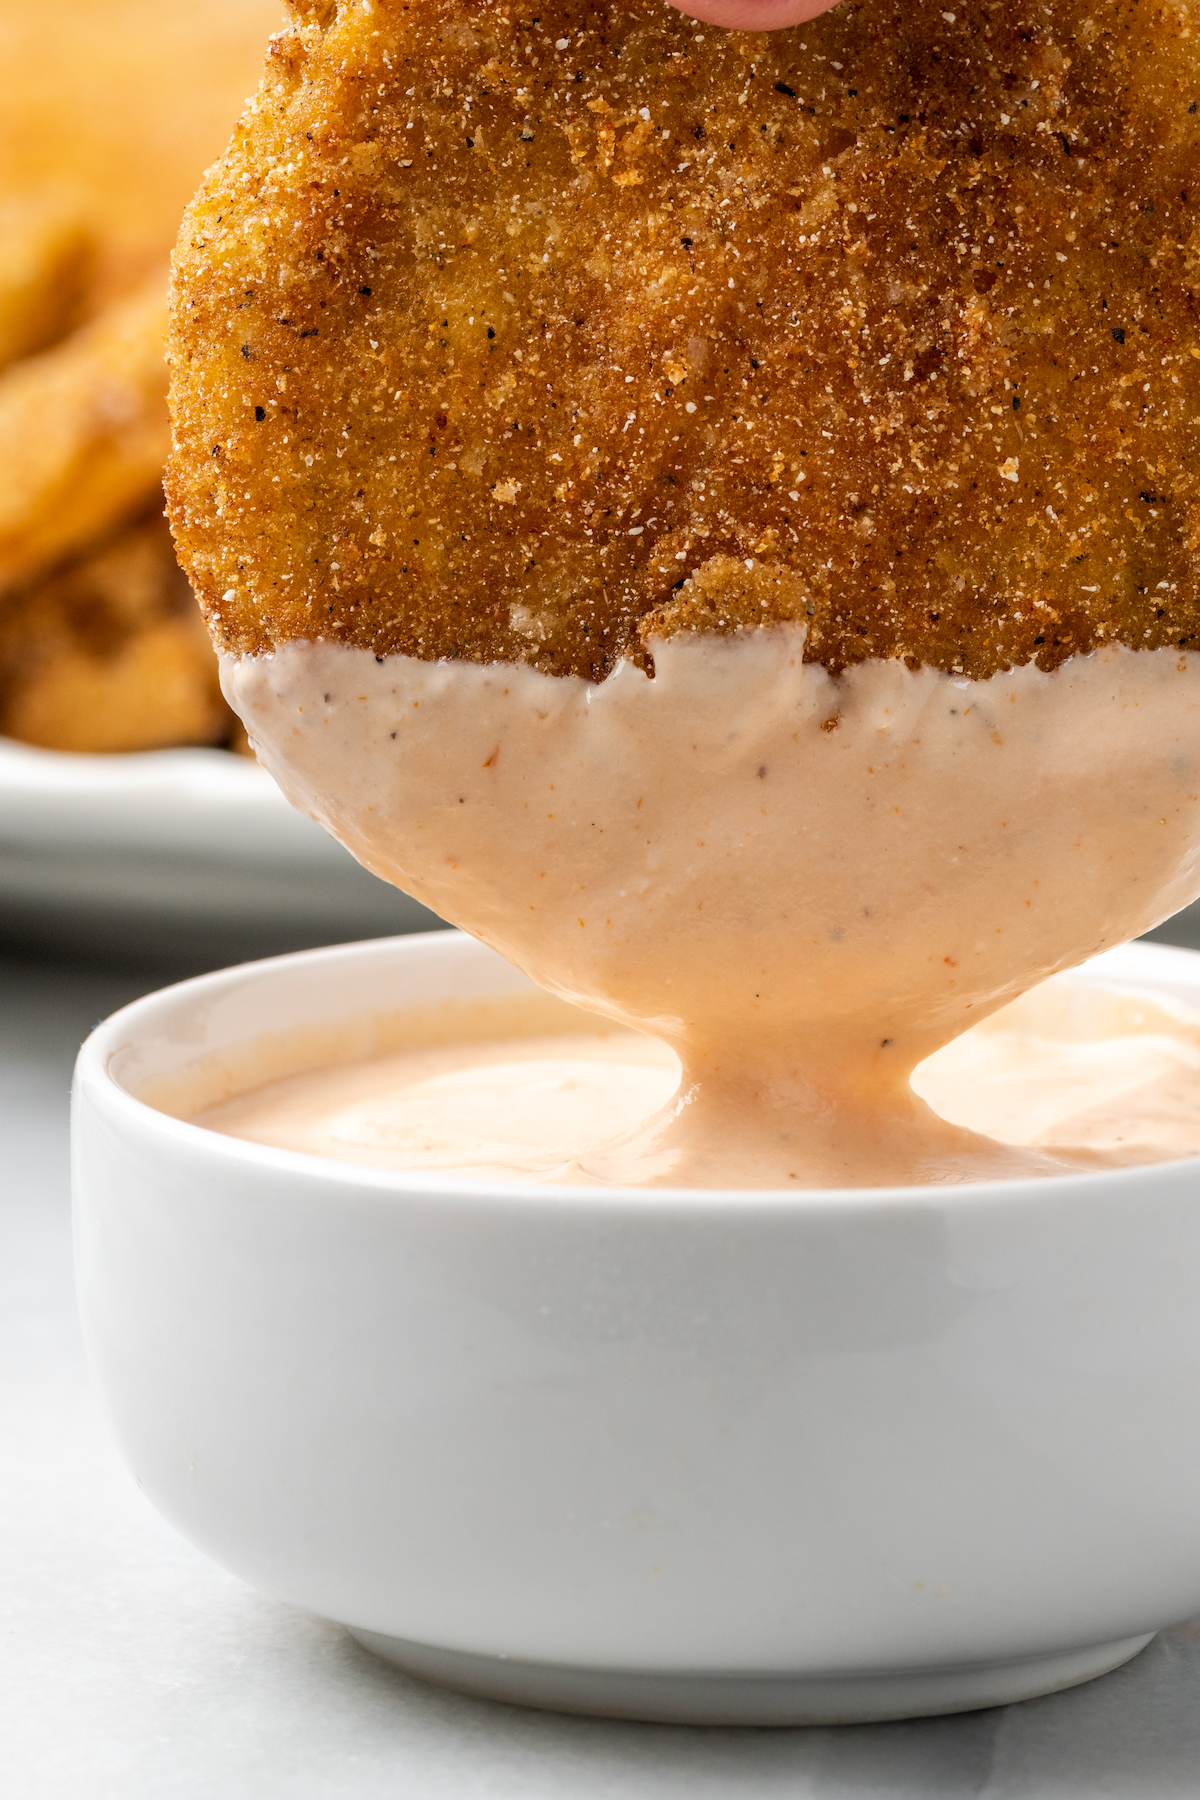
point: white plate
(188, 851)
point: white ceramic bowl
(729, 1457)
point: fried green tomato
(528, 336)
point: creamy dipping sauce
(1108, 1074)
(804, 885)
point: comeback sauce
(800, 887)
(1074, 1063)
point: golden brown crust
(482, 345)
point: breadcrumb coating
(525, 335)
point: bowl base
(687, 1698)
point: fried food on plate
(125, 102)
(492, 328)
(83, 436)
(110, 653)
(45, 258)
(107, 115)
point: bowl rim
(93, 1072)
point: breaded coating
(45, 258)
(83, 436)
(525, 334)
(110, 654)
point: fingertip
(752, 15)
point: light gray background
(132, 1669)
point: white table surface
(132, 1669)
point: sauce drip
(804, 885)
(1109, 1073)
